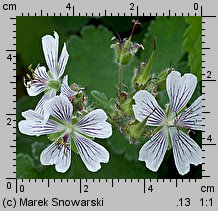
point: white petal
(35, 88)
(191, 118)
(47, 96)
(65, 89)
(32, 115)
(147, 106)
(41, 74)
(50, 49)
(38, 84)
(91, 153)
(59, 154)
(34, 125)
(62, 61)
(185, 150)
(59, 107)
(94, 124)
(180, 89)
(153, 151)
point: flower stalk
(120, 77)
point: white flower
(185, 150)
(92, 125)
(49, 82)
(66, 90)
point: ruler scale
(109, 193)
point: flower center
(71, 126)
(69, 129)
(54, 84)
(170, 121)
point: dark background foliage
(91, 65)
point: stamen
(62, 143)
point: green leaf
(102, 100)
(100, 97)
(169, 42)
(193, 44)
(25, 167)
(37, 148)
(120, 145)
(91, 61)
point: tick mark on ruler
(144, 186)
(206, 176)
(209, 16)
(208, 144)
(208, 80)
(80, 185)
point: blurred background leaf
(193, 44)
(29, 33)
(25, 167)
(169, 33)
(70, 25)
(31, 29)
(122, 25)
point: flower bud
(136, 130)
(75, 87)
(126, 58)
(142, 73)
(126, 107)
(125, 50)
(79, 101)
(122, 97)
(117, 49)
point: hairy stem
(120, 80)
